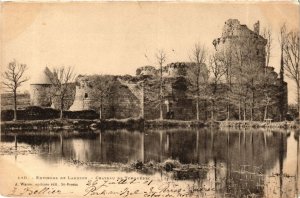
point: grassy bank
(133, 124)
(32, 125)
(258, 124)
(72, 124)
(151, 124)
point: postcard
(150, 99)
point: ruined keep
(239, 38)
(246, 49)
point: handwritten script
(107, 187)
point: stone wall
(40, 95)
(146, 71)
(124, 103)
(120, 102)
(68, 98)
(171, 70)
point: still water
(238, 163)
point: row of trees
(14, 77)
(238, 69)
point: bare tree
(161, 59)
(267, 34)
(60, 79)
(267, 97)
(217, 70)
(265, 83)
(198, 73)
(239, 91)
(13, 78)
(102, 85)
(291, 60)
(282, 41)
(225, 57)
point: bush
(170, 164)
(39, 113)
(86, 114)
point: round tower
(40, 88)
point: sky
(118, 37)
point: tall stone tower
(40, 90)
(239, 37)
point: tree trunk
(212, 109)
(142, 101)
(244, 111)
(298, 99)
(160, 111)
(228, 101)
(197, 108)
(100, 113)
(228, 110)
(61, 114)
(266, 112)
(61, 108)
(100, 109)
(161, 97)
(240, 117)
(205, 103)
(252, 106)
(15, 105)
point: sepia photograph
(157, 99)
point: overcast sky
(116, 38)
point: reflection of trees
(237, 156)
(233, 155)
(238, 147)
(297, 168)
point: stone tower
(237, 36)
(256, 27)
(83, 96)
(40, 90)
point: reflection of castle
(130, 95)
(238, 163)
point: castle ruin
(136, 96)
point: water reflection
(241, 162)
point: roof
(42, 78)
